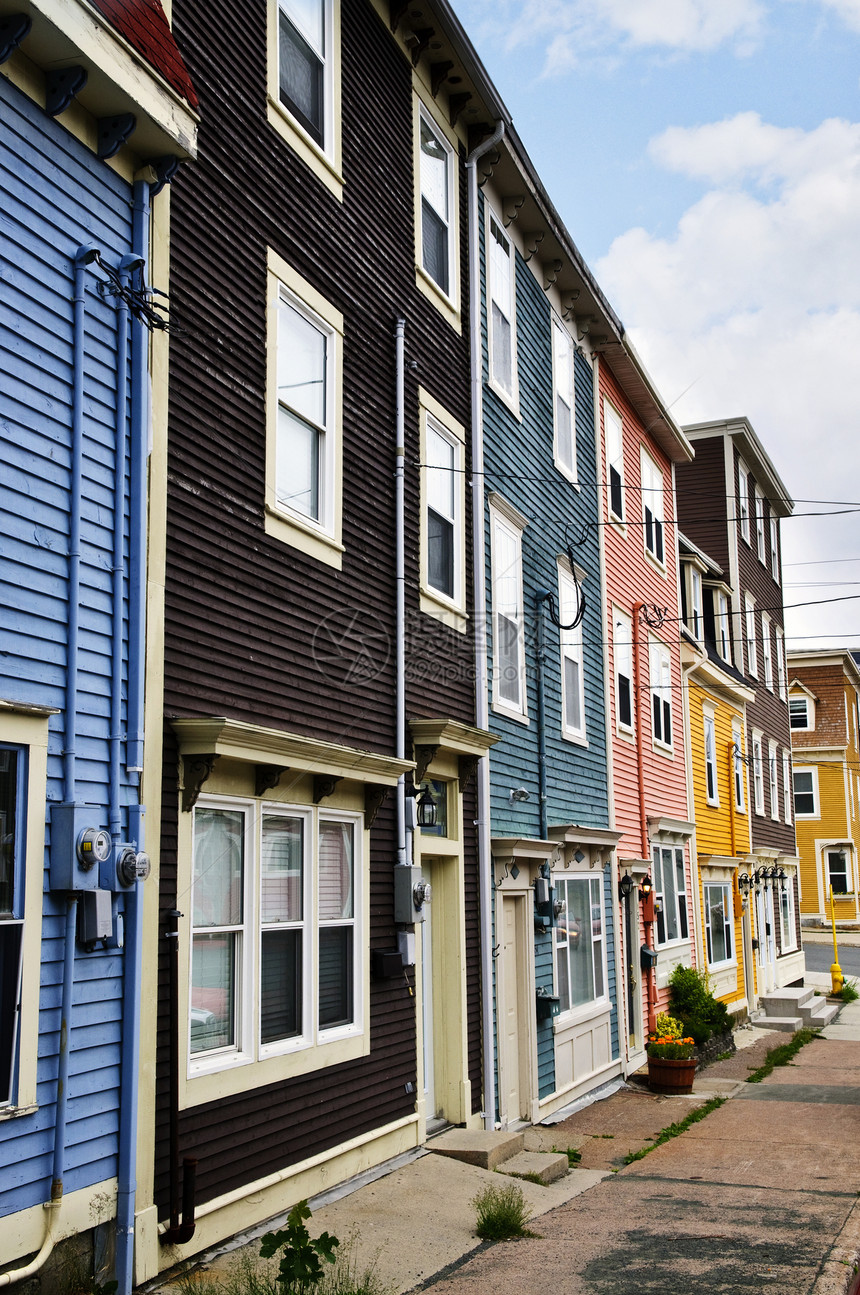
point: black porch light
(646, 887)
(426, 808)
(625, 885)
(744, 883)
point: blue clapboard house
(89, 137)
(552, 848)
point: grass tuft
(250, 1275)
(675, 1130)
(849, 992)
(502, 1213)
(573, 1156)
(782, 1055)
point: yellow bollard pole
(836, 978)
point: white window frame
(435, 420)
(787, 789)
(653, 509)
(446, 299)
(696, 604)
(323, 157)
(743, 501)
(498, 244)
(726, 902)
(712, 790)
(319, 537)
(774, 546)
(660, 686)
(316, 1045)
(794, 702)
(561, 945)
(812, 771)
(739, 766)
(787, 917)
(766, 652)
(670, 899)
(780, 662)
(623, 667)
(749, 625)
(570, 642)
(758, 771)
(773, 778)
(507, 525)
(613, 434)
(564, 392)
(846, 850)
(760, 530)
(722, 630)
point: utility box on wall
(79, 847)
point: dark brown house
(730, 504)
(294, 1040)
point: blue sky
(705, 156)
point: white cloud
(848, 11)
(754, 305)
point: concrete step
(785, 1002)
(819, 1013)
(542, 1166)
(480, 1147)
(786, 1023)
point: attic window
(801, 713)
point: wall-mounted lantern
(625, 886)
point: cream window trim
(326, 163)
(27, 727)
(814, 791)
(251, 1065)
(321, 540)
(448, 304)
(451, 611)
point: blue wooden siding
(57, 196)
(519, 464)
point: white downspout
(400, 588)
(485, 863)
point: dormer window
(801, 712)
(695, 605)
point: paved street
(819, 956)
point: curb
(840, 1270)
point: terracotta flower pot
(669, 1076)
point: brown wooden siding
(241, 607)
(702, 503)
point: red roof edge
(144, 25)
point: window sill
(660, 748)
(511, 402)
(569, 476)
(326, 170)
(712, 804)
(618, 523)
(434, 293)
(510, 712)
(438, 606)
(576, 739)
(289, 530)
(243, 1075)
(654, 561)
(580, 1015)
(15, 1112)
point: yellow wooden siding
(714, 822)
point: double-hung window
(766, 652)
(749, 619)
(696, 615)
(572, 683)
(738, 763)
(509, 689)
(622, 647)
(800, 712)
(718, 923)
(652, 507)
(711, 788)
(436, 164)
(786, 787)
(774, 547)
(305, 64)
(502, 281)
(563, 382)
(13, 761)
(443, 521)
(839, 872)
(304, 468)
(758, 772)
(805, 783)
(661, 693)
(743, 501)
(579, 942)
(773, 775)
(760, 531)
(780, 662)
(275, 954)
(613, 431)
(788, 925)
(670, 893)
(721, 625)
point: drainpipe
(400, 584)
(540, 653)
(133, 956)
(485, 863)
(640, 779)
(118, 566)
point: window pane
(335, 871)
(302, 352)
(440, 553)
(837, 862)
(578, 921)
(280, 985)
(563, 969)
(335, 976)
(564, 432)
(804, 794)
(572, 701)
(434, 245)
(670, 895)
(282, 869)
(500, 270)
(440, 474)
(434, 171)
(715, 900)
(298, 479)
(10, 970)
(213, 969)
(309, 17)
(625, 709)
(681, 888)
(301, 78)
(8, 828)
(502, 357)
(219, 856)
(509, 659)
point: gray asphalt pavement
(820, 956)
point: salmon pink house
(640, 443)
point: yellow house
(824, 702)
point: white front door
(514, 1022)
(766, 939)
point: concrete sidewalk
(762, 1193)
